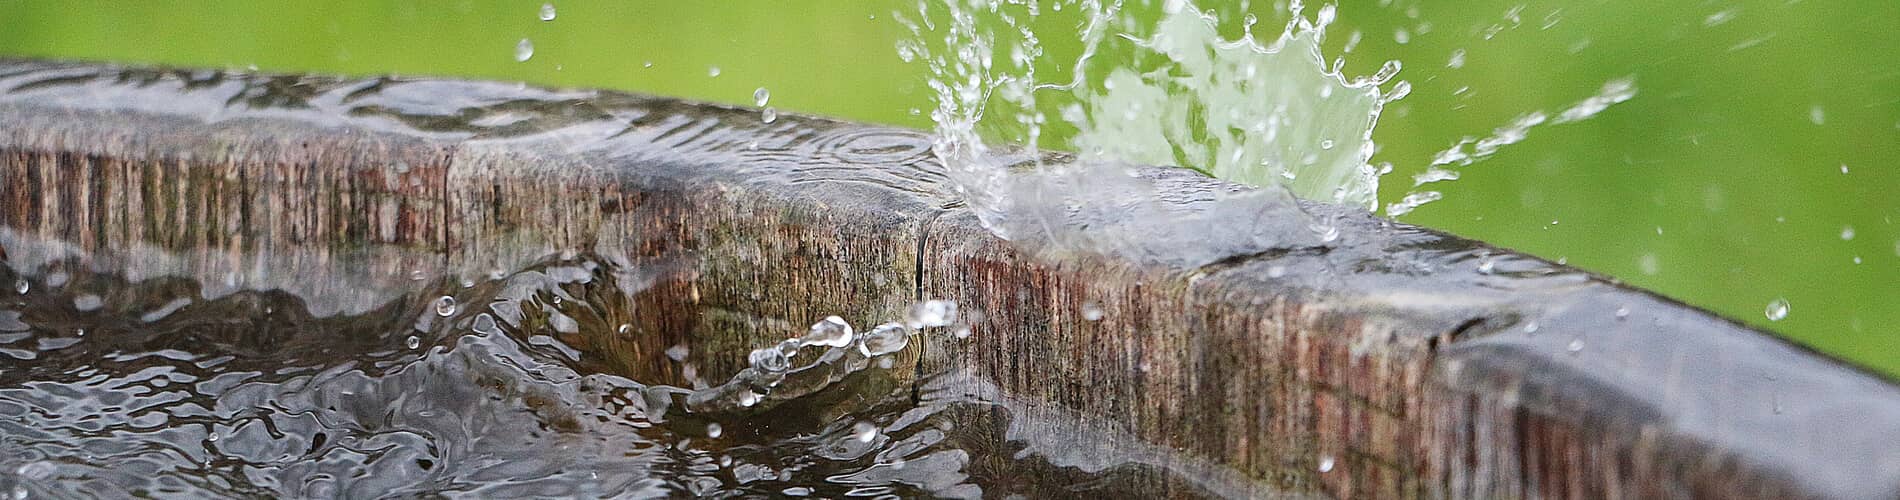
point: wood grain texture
(1385, 353)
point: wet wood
(1379, 364)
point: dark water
(164, 388)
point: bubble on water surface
(524, 50)
(1777, 309)
(769, 360)
(547, 12)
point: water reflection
(111, 388)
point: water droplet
(412, 342)
(625, 330)
(761, 96)
(1843, 168)
(864, 432)
(1326, 463)
(712, 71)
(547, 12)
(678, 352)
(1530, 327)
(714, 430)
(1777, 309)
(932, 313)
(748, 398)
(417, 275)
(963, 331)
(445, 306)
(1576, 346)
(769, 360)
(885, 339)
(524, 49)
(832, 331)
(768, 115)
(1817, 114)
(1092, 311)
(1847, 233)
(20, 286)
(212, 437)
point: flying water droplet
(768, 115)
(1530, 327)
(1326, 463)
(1092, 311)
(547, 12)
(761, 96)
(20, 286)
(1847, 233)
(412, 342)
(712, 72)
(678, 352)
(714, 431)
(524, 50)
(885, 339)
(1576, 346)
(1777, 309)
(1622, 312)
(932, 313)
(445, 306)
(748, 398)
(625, 330)
(832, 332)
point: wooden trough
(1383, 363)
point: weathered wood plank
(1379, 364)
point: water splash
(1274, 114)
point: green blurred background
(1721, 183)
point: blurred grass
(1714, 185)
